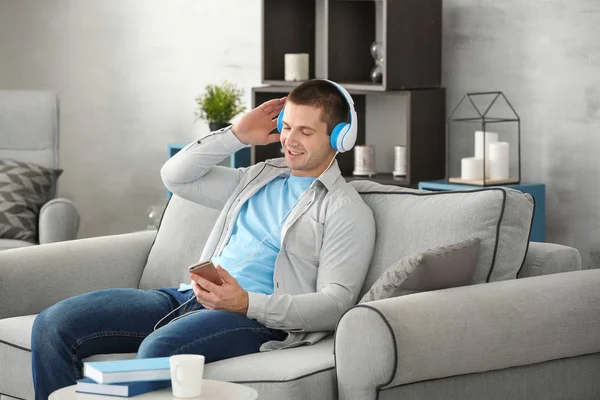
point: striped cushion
(24, 189)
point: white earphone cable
(253, 252)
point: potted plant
(219, 104)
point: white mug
(187, 371)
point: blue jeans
(122, 321)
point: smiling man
(293, 243)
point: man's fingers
(224, 274)
(204, 297)
(274, 112)
(270, 105)
(204, 283)
(199, 292)
(273, 107)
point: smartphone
(207, 270)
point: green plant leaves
(220, 103)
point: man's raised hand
(254, 127)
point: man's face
(305, 140)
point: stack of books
(125, 378)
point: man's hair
(324, 96)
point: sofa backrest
(29, 127)
(409, 221)
(183, 231)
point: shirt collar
(327, 178)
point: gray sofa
(535, 337)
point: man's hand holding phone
(215, 289)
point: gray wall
(127, 73)
(545, 56)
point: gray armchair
(29, 132)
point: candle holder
(483, 141)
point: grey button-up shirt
(327, 240)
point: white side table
(211, 390)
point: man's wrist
(244, 303)
(236, 133)
(231, 142)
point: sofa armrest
(549, 258)
(58, 221)
(433, 335)
(33, 278)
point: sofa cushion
(410, 221)
(24, 189)
(305, 372)
(6, 244)
(15, 357)
(182, 233)
(442, 267)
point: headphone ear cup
(280, 121)
(348, 138)
(336, 135)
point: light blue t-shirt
(262, 214)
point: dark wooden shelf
(425, 135)
(407, 108)
(278, 83)
(288, 26)
(362, 86)
(337, 36)
(272, 86)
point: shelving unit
(337, 35)
(406, 108)
(411, 118)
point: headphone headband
(344, 92)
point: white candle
(296, 66)
(490, 137)
(399, 161)
(471, 168)
(499, 160)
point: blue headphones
(343, 135)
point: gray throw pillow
(437, 268)
(24, 189)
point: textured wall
(127, 73)
(545, 56)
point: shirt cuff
(229, 140)
(257, 303)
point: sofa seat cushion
(411, 221)
(300, 373)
